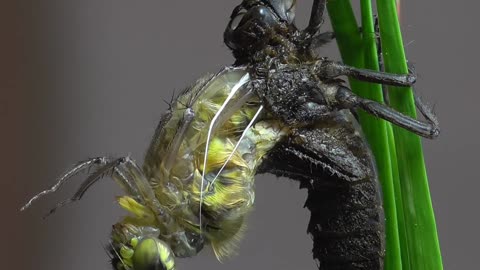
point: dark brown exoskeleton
(326, 150)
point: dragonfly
(280, 108)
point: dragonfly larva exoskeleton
(279, 109)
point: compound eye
(262, 15)
(248, 27)
(285, 9)
(152, 254)
(257, 15)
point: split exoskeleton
(279, 109)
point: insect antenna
(79, 167)
(238, 143)
(235, 88)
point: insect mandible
(279, 109)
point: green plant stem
(360, 51)
(412, 241)
(377, 134)
(422, 250)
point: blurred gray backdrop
(83, 78)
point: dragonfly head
(152, 253)
(139, 248)
(254, 23)
(149, 253)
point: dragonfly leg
(79, 167)
(330, 70)
(428, 129)
(127, 174)
(316, 17)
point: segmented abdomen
(333, 162)
(347, 225)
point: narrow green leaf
(398, 198)
(347, 35)
(361, 51)
(377, 134)
(422, 250)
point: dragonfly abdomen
(347, 225)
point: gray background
(86, 78)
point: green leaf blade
(377, 134)
(422, 250)
(361, 52)
(412, 241)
